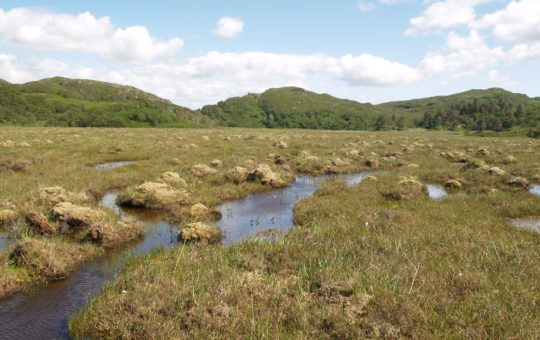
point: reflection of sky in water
(436, 192)
(113, 165)
(44, 312)
(527, 223)
(3, 239)
(272, 209)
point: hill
(492, 109)
(292, 107)
(73, 102)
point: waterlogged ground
(390, 256)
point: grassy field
(379, 259)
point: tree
(401, 123)
(380, 123)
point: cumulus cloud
(495, 76)
(228, 27)
(524, 51)
(365, 6)
(444, 15)
(519, 21)
(83, 33)
(464, 55)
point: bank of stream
(44, 312)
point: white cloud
(495, 77)
(214, 76)
(228, 27)
(367, 69)
(464, 55)
(83, 33)
(444, 15)
(365, 6)
(519, 21)
(524, 51)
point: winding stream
(44, 311)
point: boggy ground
(50, 186)
(378, 259)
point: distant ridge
(75, 102)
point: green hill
(292, 107)
(492, 109)
(70, 102)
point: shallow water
(248, 216)
(436, 192)
(44, 312)
(535, 189)
(532, 224)
(114, 165)
(4, 239)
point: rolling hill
(72, 102)
(492, 109)
(292, 107)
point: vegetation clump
(154, 195)
(200, 233)
(237, 174)
(202, 170)
(51, 258)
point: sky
(200, 52)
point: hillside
(492, 109)
(292, 107)
(70, 102)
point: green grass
(358, 265)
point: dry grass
(360, 265)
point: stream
(44, 312)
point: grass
(359, 265)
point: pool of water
(4, 239)
(436, 192)
(535, 189)
(44, 311)
(248, 216)
(114, 165)
(531, 223)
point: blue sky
(196, 53)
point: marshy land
(368, 256)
